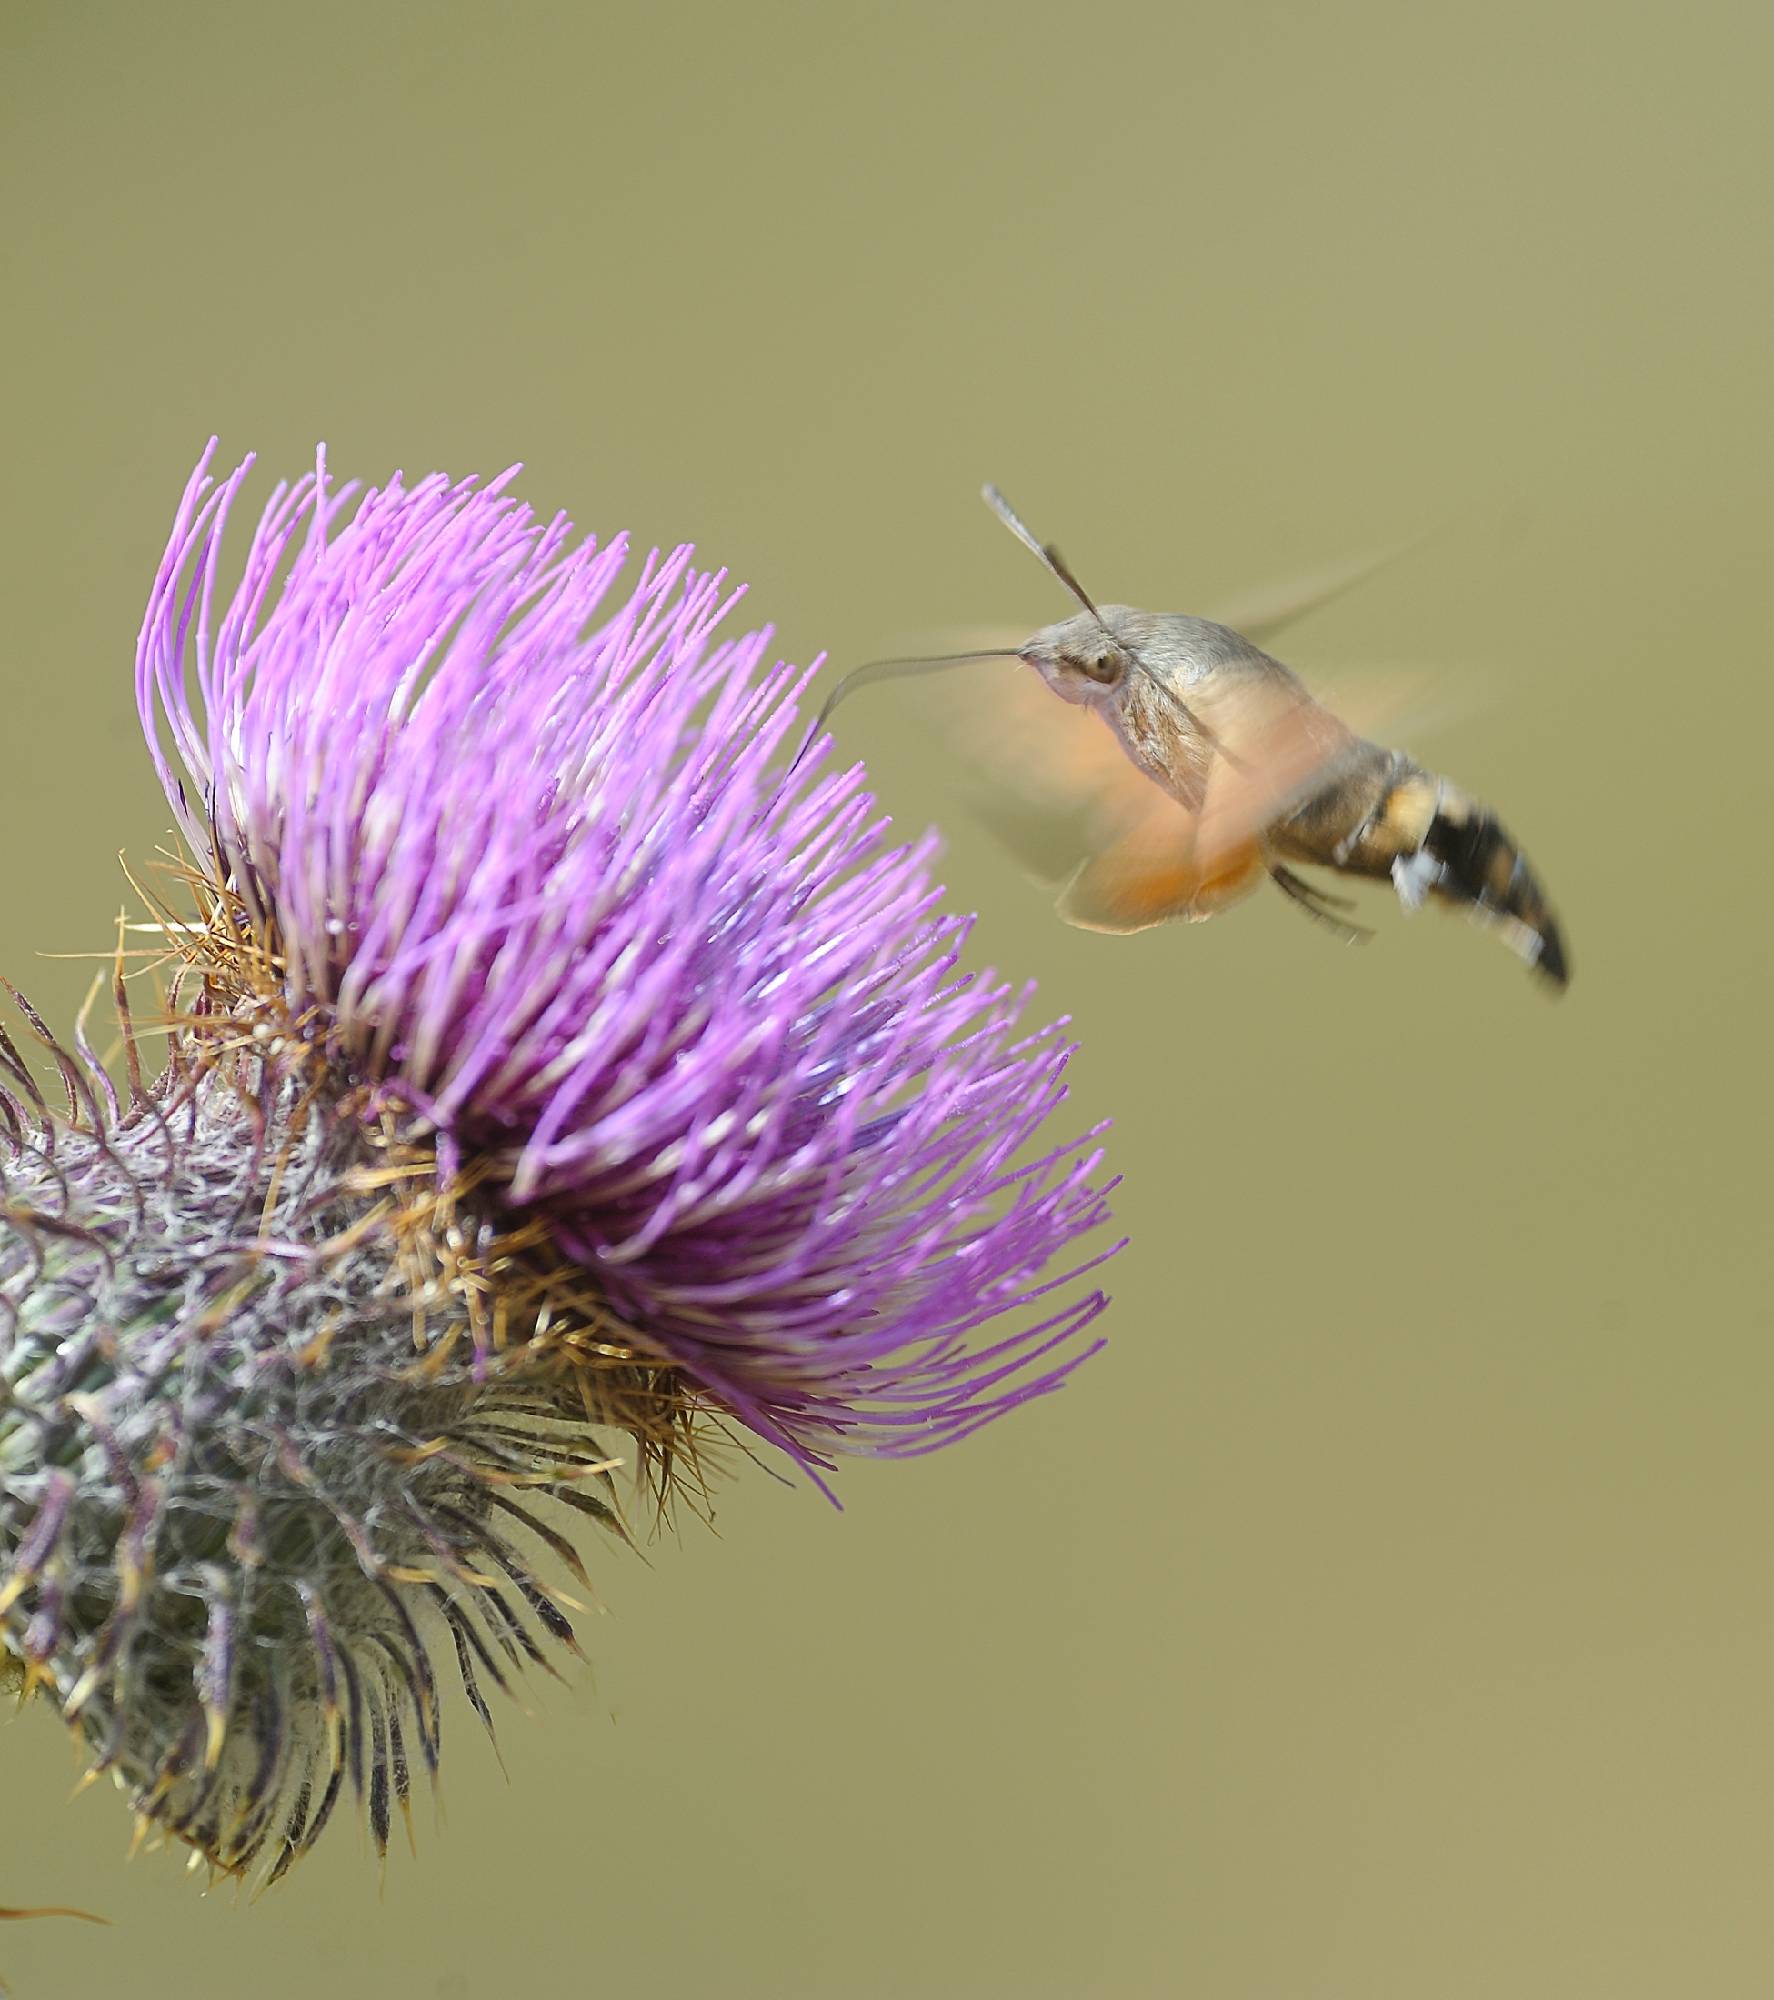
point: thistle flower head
(530, 874)
(545, 1065)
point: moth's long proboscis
(888, 670)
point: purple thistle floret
(532, 862)
(550, 1064)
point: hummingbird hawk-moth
(1202, 767)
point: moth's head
(1123, 656)
(1086, 659)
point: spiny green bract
(258, 1460)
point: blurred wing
(1261, 613)
(1156, 873)
(1166, 864)
(1053, 782)
(1050, 780)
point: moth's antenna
(887, 670)
(1044, 552)
(1056, 566)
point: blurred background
(1387, 1612)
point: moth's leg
(1319, 904)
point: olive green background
(1387, 1611)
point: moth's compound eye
(1105, 671)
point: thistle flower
(549, 1078)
